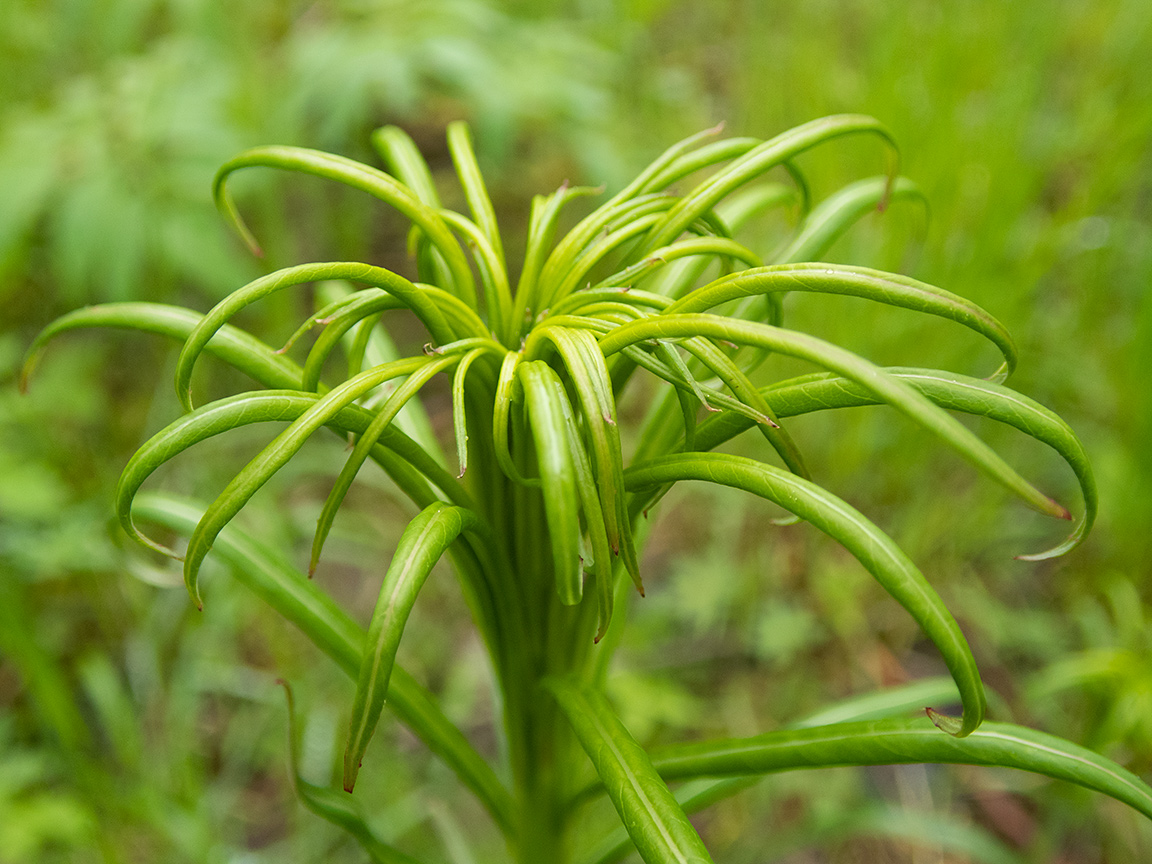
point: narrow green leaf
(328, 804)
(415, 298)
(358, 176)
(853, 282)
(585, 364)
(360, 307)
(367, 441)
(400, 457)
(472, 181)
(837, 213)
(501, 419)
(655, 822)
(274, 456)
(601, 564)
(301, 602)
(756, 162)
(497, 293)
(421, 546)
(558, 476)
(902, 741)
(888, 388)
(459, 417)
(541, 231)
(868, 544)
(399, 151)
(949, 390)
(229, 343)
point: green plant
(548, 499)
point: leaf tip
(951, 725)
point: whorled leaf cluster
(542, 500)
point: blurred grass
(132, 728)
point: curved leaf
(949, 390)
(868, 544)
(758, 160)
(328, 804)
(585, 364)
(358, 176)
(275, 455)
(399, 456)
(420, 547)
(301, 602)
(230, 344)
(892, 742)
(853, 282)
(416, 299)
(383, 417)
(558, 476)
(837, 213)
(888, 388)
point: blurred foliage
(132, 728)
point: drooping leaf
(877, 552)
(301, 602)
(421, 546)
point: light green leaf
(415, 298)
(300, 601)
(852, 282)
(358, 176)
(901, 741)
(542, 389)
(333, 806)
(888, 388)
(421, 546)
(949, 390)
(655, 822)
(871, 547)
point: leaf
(340, 810)
(853, 282)
(887, 388)
(949, 390)
(472, 181)
(415, 298)
(542, 387)
(903, 741)
(301, 602)
(232, 345)
(756, 162)
(383, 417)
(358, 176)
(420, 547)
(585, 365)
(837, 213)
(275, 455)
(655, 822)
(874, 549)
